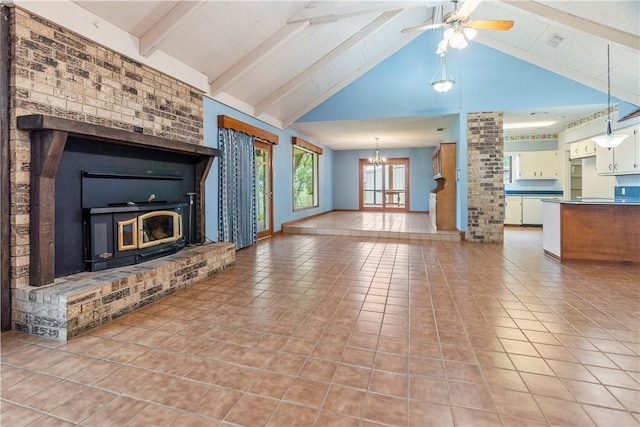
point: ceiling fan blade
(467, 7)
(423, 28)
(490, 24)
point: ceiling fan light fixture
(609, 140)
(470, 33)
(458, 40)
(442, 81)
(442, 47)
(448, 33)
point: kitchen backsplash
(626, 192)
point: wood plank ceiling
(277, 60)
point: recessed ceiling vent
(555, 40)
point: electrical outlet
(623, 191)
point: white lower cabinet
(513, 210)
(531, 211)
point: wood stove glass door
(264, 189)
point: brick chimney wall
(59, 73)
(485, 182)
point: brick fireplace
(68, 94)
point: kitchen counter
(592, 229)
(597, 201)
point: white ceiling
(244, 50)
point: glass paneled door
(386, 186)
(264, 189)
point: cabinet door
(574, 150)
(513, 210)
(587, 148)
(625, 155)
(527, 165)
(604, 160)
(531, 211)
(547, 165)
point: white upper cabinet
(623, 159)
(584, 148)
(538, 165)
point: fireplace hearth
(91, 204)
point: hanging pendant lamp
(609, 140)
(442, 81)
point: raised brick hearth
(78, 303)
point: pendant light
(609, 140)
(377, 160)
(442, 81)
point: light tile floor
(413, 226)
(350, 331)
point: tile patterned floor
(412, 226)
(350, 331)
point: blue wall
(346, 176)
(282, 170)
(486, 80)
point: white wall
(594, 185)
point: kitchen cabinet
(584, 148)
(623, 159)
(513, 210)
(538, 165)
(442, 199)
(531, 211)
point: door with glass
(264, 189)
(384, 186)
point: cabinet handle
(615, 167)
(610, 167)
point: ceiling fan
(458, 27)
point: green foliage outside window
(305, 178)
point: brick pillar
(485, 186)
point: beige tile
(340, 330)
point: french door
(264, 189)
(384, 187)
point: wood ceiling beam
(330, 12)
(556, 16)
(152, 39)
(252, 59)
(294, 83)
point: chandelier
(609, 140)
(376, 159)
(442, 81)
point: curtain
(238, 218)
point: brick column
(485, 186)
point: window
(305, 178)
(507, 170)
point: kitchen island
(592, 230)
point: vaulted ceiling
(277, 60)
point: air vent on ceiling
(555, 40)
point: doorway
(384, 187)
(264, 189)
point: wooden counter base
(600, 232)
